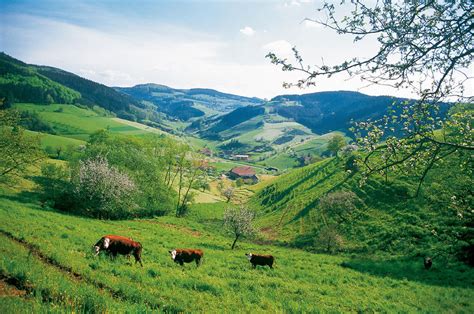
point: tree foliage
(228, 193)
(18, 150)
(335, 144)
(425, 47)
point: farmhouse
(243, 172)
(240, 157)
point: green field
(74, 122)
(48, 254)
(54, 141)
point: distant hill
(21, 82)
(184, 104)
(321, 112)
(234, 118)
(324, 112)
(92, 93)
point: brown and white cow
(114, 245)
(262, 260)
(182, 256)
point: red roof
(243, 171)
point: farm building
(240, 157)
(244, 172)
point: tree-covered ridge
(235, 117)
(20, 82)
(92, 93)
(324, 112)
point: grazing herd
(113, 245)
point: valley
(168, 165)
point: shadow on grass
(23, 197)
(441, 274)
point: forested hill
(324, 112)
(92, 93)
(21, 82)
(184, 104)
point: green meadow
(48, 254)
(78, 123)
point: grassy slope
(225, 282)
(74, 122)
(388, 219)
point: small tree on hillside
(336, 143)
(239, 222)
(228, 193)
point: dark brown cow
(182, 256)
(262, 260)
(428, 262)
(114, 245)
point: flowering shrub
(102, 191)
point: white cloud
(292, 3)
(247, 31)
(311, 24)
(281, 48)
(296, 3)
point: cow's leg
(254, 266)
(138, 259)
(198, 261)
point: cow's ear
(169, 252)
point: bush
(103, 191)
(55, 186)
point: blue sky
(182, 44)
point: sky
(181, 44)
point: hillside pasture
(74, 122)
(56, 141)
(48, 254)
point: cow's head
(249, 256)
(102, 244)
(173, 254)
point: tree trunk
(235, 241)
